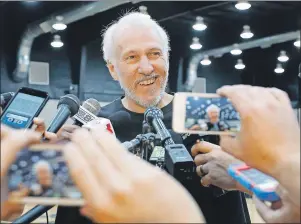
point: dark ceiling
(224, 22)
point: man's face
(141, 67)
(44, 176)
(213, 116)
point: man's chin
(149, 101)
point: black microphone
(153, 116)
(130, 145)
(32, 214)
(87, 112)
(68, 106)
(120, 119)
(5, 98)
(178, 160)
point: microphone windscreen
(120, 118)
(71, 101)
(6, 97)
(92, 105)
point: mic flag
(84, 116)
(104, 122)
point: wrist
(286, 167)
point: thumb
(203, 147)
(230, 145)
(264, 211)
(18, 139)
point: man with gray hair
(44, 177)
(136, 50)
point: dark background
(224, 23)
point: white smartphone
(41, 171)
(204, 113)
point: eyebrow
(135, 51)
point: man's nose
(145, 67)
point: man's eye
(130, 57)
(156, 53)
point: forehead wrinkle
(130, 30)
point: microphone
(178, 160)
(120, 119)
(130, 145)
(5, 98)
(116, 120)
(87, 112)
(153, 116)
(68, 106)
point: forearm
(288, 175)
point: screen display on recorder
(214, 114)
(45, 175)
(21, 110)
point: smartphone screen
(42, 171)
(210, 115)
(26, 104)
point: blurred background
(56, 46)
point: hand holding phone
(26, 104)
(41, 169)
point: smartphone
(203, 113)
(26, 104)
(262, 185)
(42, 173)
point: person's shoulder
(112, 107)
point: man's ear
(112, 71)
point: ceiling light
(206, 60)
(57, 43)
(59, 25)
(195, 44)
(283, 57)
(242, 5)
(297, 42)
(236, 50)
(239, 65)
(279, 69)
(246, 33)
(143, 10)
(199, 25)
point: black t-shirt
(227, 208)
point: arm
(287, 173)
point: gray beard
(131, 94)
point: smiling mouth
(147, 82)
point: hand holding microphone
(133, 186)
(212, 166)
(70, 104)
